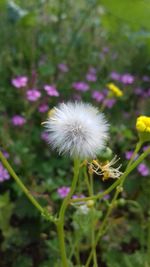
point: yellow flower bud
(114, 89)
(90, 203)
(143, 127)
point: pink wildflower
(63, 191)
(4, 175)
(18, 120)
(20, 81)
(98, 96)
(43, 108)
(51, 90)
(33, 95)
(80, 86)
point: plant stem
(87, 181)
(137, 148)
(115, 184)
(119, 182)
(43, 211)
(60, 222)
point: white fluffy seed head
(78, 129)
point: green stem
(138, 146)
(60, 222)
(87, 181)
(43, 211)
(93, 225)
(93, 244)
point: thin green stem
(93, 244)
(61, 220)
(87, 180)
(137, 148)
(93, 225)
(43, 211)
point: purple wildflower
(33, 95)
(51, 90)
(6, 154)
(128, 154)
(109, 103)
(43, 108)
(4, 175)
(143, 170)
(127, 78)
(80, 86)
(78, 196)
(115, 76)
(20, 81)
(98, 96)
(63, 67)
(145, 147)
(91, 77)
(63, 191)
(105, 197)
(18, 120)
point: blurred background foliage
(35, 37)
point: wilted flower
(33, 95)
(114, 89)
(63, 191)
(18, 120)
(4, 175)
(78, 129)
(106, 169)
(20, 81)
(51, 90)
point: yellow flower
(114, 89)
(143, 124)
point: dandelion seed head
(78, 129)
